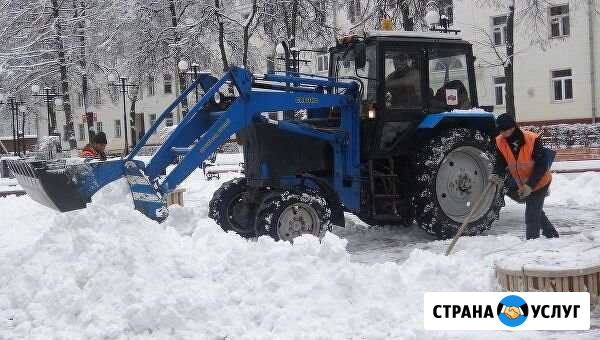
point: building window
(499, 90)
(559, 21)
(98, 127)
(445, 8)
(81, 132)
(152, 119)
(80, 99)
(168, 83)
(322, 63)
(169, 120)
(117, 128)
(562, 85)
(97, 97)
(499, 29)
(150, 86)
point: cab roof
(414, 34)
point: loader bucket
(65, 187)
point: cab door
(402, 96)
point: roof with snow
(415, 34)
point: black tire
(222, 208)
(429, 213)
(276, 203)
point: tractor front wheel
(452, 174)
(285, 215)
(230, 209)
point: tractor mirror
(360, 56)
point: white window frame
(118, 128)
(151, 86)
(502, 86)
(99, 127)
(559, 19)
(167, 81)
(97, 97)
(152, 119)
(322, 62)
(80, 99)
(499, 29)
(81, 132)
(563, 86)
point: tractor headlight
(371, 112)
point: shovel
(468, 219)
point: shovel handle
(468, 219)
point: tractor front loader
(389, 135)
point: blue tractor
(389, 135)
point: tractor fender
(332, 197)
(474, 120)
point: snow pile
(573, 252)
(581, 190)
(109, 272)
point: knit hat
(100, 138)
(505, 122)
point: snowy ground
(107, 272)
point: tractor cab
(405, 77)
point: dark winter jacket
(516, 140)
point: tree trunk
(177, 40)
(83, 60)
(221, 37)
(407, 22)
(508, 67)
(247, 35)
(64, 77)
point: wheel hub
(296, 220)
(461, 178)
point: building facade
(557, 81)
(153, 96)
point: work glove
(525, 191)
(495, 179)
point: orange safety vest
(89, 152)
(522, 168)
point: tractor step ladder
(391, 194)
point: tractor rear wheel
(452, 173)
(285, 215)
(229, 209)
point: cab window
(448, 80)
(344, 68)
(402, 81)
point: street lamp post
(195, 67)
(23, 111)
(14, 109)
(50, 97)
(184, 66)
(123, 86)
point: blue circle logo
(512, 311)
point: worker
(523, 154)
(96, 148)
